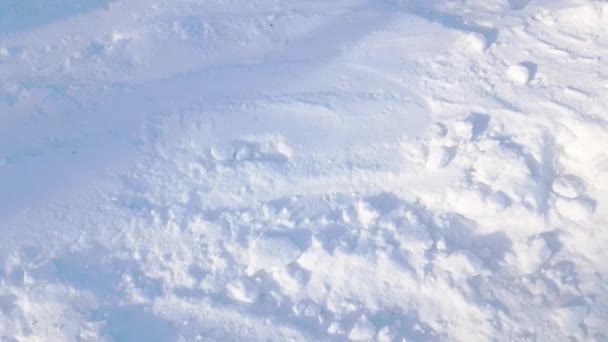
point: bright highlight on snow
(304, 170)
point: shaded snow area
(304, 170)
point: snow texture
(303, 170)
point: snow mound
(519, 74)
(304, 170)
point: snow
(574, 209)
(519, 74)
(571, 317)
(569, 187)
(363, 330)
(396, 170)
(439, 156)
(244, 290)
(272, 252)
(531, 255)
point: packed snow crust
(308, 170)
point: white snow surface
(303, 170)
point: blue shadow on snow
(22, 15)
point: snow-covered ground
(231, 170)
